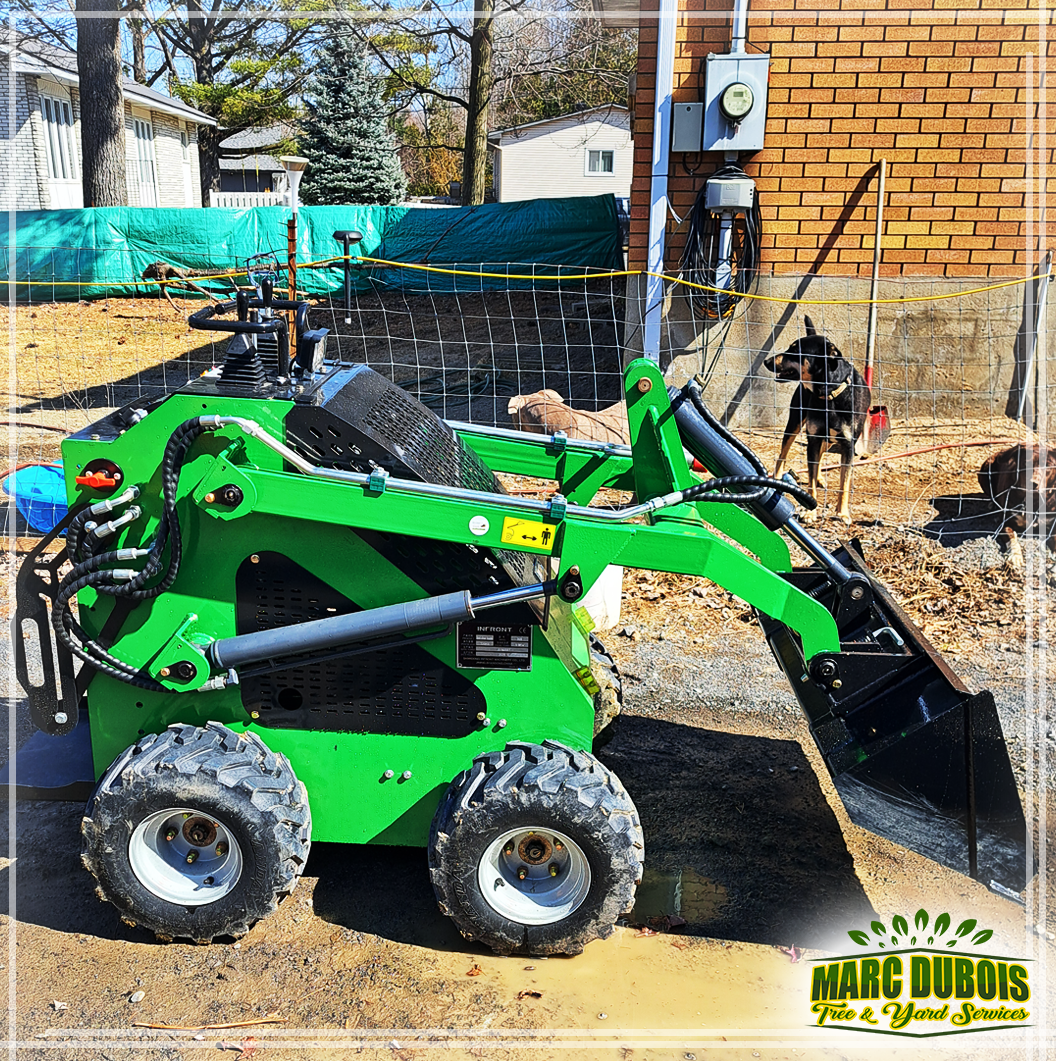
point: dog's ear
(809, 325)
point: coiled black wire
(89, 570)
(700, 262)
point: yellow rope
(554, 278)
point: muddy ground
(747, 841)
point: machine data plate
(494, 646)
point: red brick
(889, 80)
(977, 47)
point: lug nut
(508, 849)
(221, 850)
(170, 834)
(192, 857)
(555, 869)
(558, 846)
(522, 873)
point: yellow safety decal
(529, 533)
(583, 619)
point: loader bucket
(915, 757)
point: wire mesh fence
(958, 365)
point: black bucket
(915, 757)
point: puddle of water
(684, 893)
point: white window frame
(188, 173)
(60, 144)
(146, 159)
(599, 151)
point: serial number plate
(494, 646)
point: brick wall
(942, 97)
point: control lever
(346, 238)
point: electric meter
(736, 101)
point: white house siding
(21, 187)
(168, 151)
(549, 160)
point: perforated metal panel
(358, 421)
(401, 690)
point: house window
(188, 177)
(148, 188)
(60, 146)
(600, 163)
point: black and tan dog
(831, 402)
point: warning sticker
(494, 646)
(529, 533)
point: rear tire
(197, 832)
(536, 849)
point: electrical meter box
(735, 101)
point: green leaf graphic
(921, 920)
(982, 937)
(965, 927)
(942, 922)
(878, 928)
(860, 938)
(898, 923)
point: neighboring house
(249, 160)
(161, 136)
(586, 153)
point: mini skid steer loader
(307, 608)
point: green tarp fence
(65, 255)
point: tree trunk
(481, 83)
(209, 138)
(139, 51)
(102, 105)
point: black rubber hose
(764, 484)
(91, 573)
(696, 395)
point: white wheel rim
(185, 857)
(534, 876)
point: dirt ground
(747, 841)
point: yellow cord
(555, 278)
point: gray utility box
(747, 69)
(686, 126)
(729, 194)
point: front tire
(197, 832)
(536, 849)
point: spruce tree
(345, 136)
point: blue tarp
(64, 255)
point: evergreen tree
(345, 135)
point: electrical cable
(701, 263)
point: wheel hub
(185, 857)
(534, 876)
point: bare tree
(246, 66)
(508, 63)
(102, 103)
